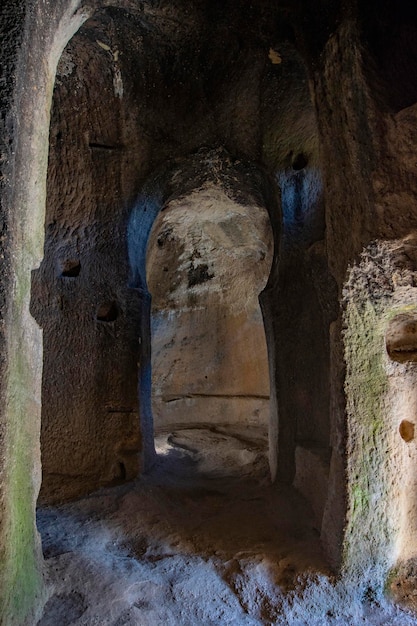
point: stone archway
(199, 190)
(208, 259)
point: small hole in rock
(370, 594)
(401, 338)
(70, 268)
(122, 471)
(107, 312)
(300, 162)
(407, 430)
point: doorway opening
(208, 258)
(200, 251)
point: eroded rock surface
(208, 259)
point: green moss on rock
(21, 575)
(372, 509)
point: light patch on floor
(203, 540)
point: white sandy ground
(204, 540)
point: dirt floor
(203, 540)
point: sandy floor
(204, 540)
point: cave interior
(210, 330)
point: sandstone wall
(208, 259)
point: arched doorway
(208, 258)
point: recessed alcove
(107, 312)
(299, 162)
(70, 268)
(406, 430)
(401, 338)
(208, 259)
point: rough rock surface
(202, 541)
(208, 259)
